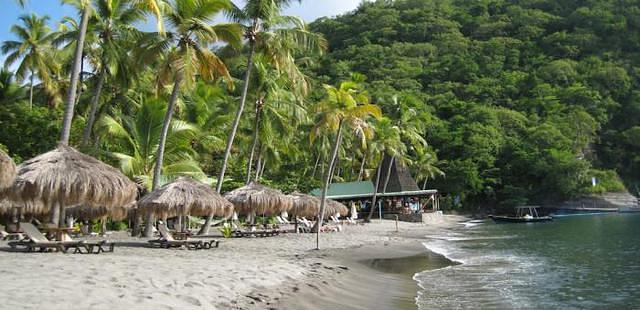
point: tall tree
(33, 46)
(113, 22)
(85, 8)
(187, 56)
(347, 105)
(267, 32)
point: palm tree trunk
(258, 165)
(234, 128)
(375, 193)
(327, 182)
(361, 172)
(386, 180)
(264, 165)
(157, 169)
(94, 109)
(315, 167)
(256, 128)
(424, 185)
(31, 91)
(80, 80)
(75, 73)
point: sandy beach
(282, 272)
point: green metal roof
(349, 188)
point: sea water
(581, 262)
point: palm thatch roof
(71, 178)
(333, 207)
(35, 207)
(309, 205)
(305, 205)
(7, 171)
(185, 196)
(259, 199)
(85, 212)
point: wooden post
(397, 223)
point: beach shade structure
(66, 177)
(259, 199)
(304, 205)
(334, 207)
(185, 196)
(7, 171)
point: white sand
(241, 274)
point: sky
(309, 10)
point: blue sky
(309, 10)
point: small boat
(524, 214)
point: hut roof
(35, 207)
(185, 196)
(333, 207)
(308, 206)
(69, 177)
(305, 205)
(260, 199)
(7, 171)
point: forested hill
(529, 98)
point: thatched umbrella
(7, 171)
(66, 177)
(305, 205)
(185, 196)
(334, 207)
(259, 199)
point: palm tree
(347, 105)
(278, 102)
(277, 37)
(388, 143)
(34, 46)
(85, 8)
(425, 166)
(187, 55)
(133, 141)
(113, 24)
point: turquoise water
(581, 262)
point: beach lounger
(166, 241)
(37, 241)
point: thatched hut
(308, 206)
(7, 171)
(185, 196)
(304, 205)
(259, 199)
(66, 177)
(333, 207)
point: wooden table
(61, 233)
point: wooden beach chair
(166, 241)
(37, 241)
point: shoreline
(376, 275)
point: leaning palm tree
(113, 24)
(34, 46)
(279, 105)
(348, 105)
(186, 55)
(425, 166)
(276, 36)
(85, 7)
(388, 144)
